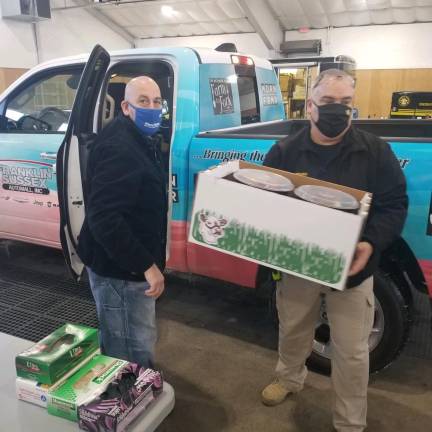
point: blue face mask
(148, 120)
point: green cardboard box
(52, 357)
(84, 385)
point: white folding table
(20, 416)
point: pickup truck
(218, 106)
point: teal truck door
(34, 118)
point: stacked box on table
(32, 391)
(36, 392)
(275, 230)
(118, 406)
(106, 392)
(85, 384)
(54, 356)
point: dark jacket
(364, 162)
(124, 231)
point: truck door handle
(46, 155)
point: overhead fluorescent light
(168, 11)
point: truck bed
(390, 129)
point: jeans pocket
(112, 293)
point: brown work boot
(274, 394)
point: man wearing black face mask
(331, 149)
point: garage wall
(374, 88)
(17, 45)
(67, 33)
(9, 75)
(74, 32)
(249, 43)
(377, 47)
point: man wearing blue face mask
(143, 108)
(123, 238)
(331, 149)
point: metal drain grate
(38, 329)
(13, 319)
(71, 310)
(16, 295)
(45, 282)
(43, 302)
(34, 304)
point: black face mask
(332, 118)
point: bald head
(139, 85)
(141, 92)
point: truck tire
(387, 339)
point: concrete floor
(217, 348)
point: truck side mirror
(165, 109)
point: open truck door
(72, 157)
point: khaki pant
(350, 314)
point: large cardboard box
(279, 231)
(52, 357)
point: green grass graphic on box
(294, 255)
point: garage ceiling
(143, 19)
(341, 13)
(184, 18)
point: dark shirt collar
(348, 142)
(128, 123)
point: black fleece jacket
(124, 231)
(364, 162)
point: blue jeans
(127, 322)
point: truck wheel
(388, 336)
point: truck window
(248, 99)
(120, 74)
(43, 103)
(229, 94)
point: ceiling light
(168, 11)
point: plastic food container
(327, 197)
(264, 180)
